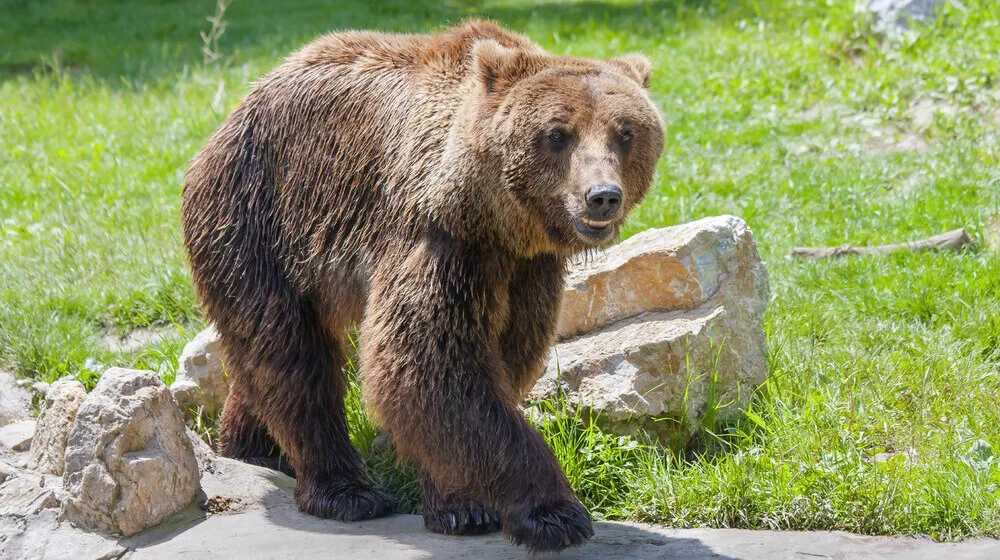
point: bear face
(577, 140)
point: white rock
(894, 16)
(17, 436)
(663, 269)
(666, 372)
(15, 401)
(201, 379)
(129, 463)
(48, 448)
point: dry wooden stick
(949, 241)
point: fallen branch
(949, 241)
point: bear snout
(604, 202)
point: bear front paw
(344, 501)
(552, 527)
(468, 518)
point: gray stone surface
(25, 493)
(17, 436)
(30, 528)
(263, 523)
(129, 462)
(15, 401)
(48, 447)
(679, 335)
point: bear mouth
(593, 229)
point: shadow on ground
(272, 527)
(130, 41)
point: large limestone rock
(661, 332)
(673, 330)
(201, 379)
(129, 463)
(48, 448)
(660, 270)
(15, 402)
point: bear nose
(603, 201)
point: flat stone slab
(402, 537)
(263, 523)
(17, 436)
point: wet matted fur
(430, 188)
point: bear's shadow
(271, 526)
(403, 535)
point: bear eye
(558, 139)
(625, 134)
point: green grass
(770, 107)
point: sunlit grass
(882, 405)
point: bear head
(574, 141)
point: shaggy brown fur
(431, 187)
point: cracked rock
(129, 462)
(663, 332)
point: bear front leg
(534, 295)
(435, 377)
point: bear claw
(470, 518)
(553, 527)
(345, 502)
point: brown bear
(430, 188)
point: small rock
(17, 436)
(893, 17)
(40, 388)
(129, 462)
(687, 345)
(201, 378)
(36, 387)
(15, 401)
(48, 450)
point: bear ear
(635, 66)
(498, 66)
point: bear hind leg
(296, 387)
(244, 437)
